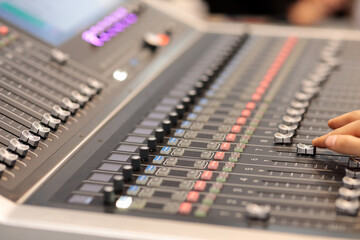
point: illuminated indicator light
(225, 146)
(213, 165)
(4, 30)
(251, 105)
(163, 39)
(260, 90)
(207, 175)
(256, 97)
(185, 208)
(236, 129)
(120, 75)
(200, 185)
(219, 156)
(241, 121)
(124, 202)
(264, 84)
(246, 113)
(231, 137)
(192, 196)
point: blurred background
(317, 13)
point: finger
(344, 144)
(352, 129)
(344, 119)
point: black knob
(136, 163)
(205, 80)
(180, 110)
(144, 153)
(166, 124)
(118, 183)
(173, 117)
(108, 195)
(159, 135)
(210, 73)
(186, 102)
(192, 95)
(151, 142)
(199, 86)
(127, 173)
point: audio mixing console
(134, 120)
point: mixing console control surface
(220, 134)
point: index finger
(344, 119)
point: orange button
(219, 156)
(185, 208)
(213, 165)
(192, 196)
(200, 186)
(231, 137)
(241, 121)
(4, 30)
(256, 97)
(225, 146)
(236, 129)
(207, 175)
(246, 113)
(250, 105)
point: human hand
(345, 137)
(308, 12)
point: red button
(246, 112)
(4, 30)
(260, 90)
(231, 137)
(207, 175)
(200, 186)
(256, 97)
(264, 84)
(192, 196)
(241, 120)
(185, 208)
(225, 146)
(213, 165)
(250, 105)
(219, 156)
(236, 129)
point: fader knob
(192, 95)
(166, 124)
(199, 86)
(173, 117)
(159, 135)
(151, 142)
(136, 163)
(144, 153)
(186, 102)
(180, 110)
(118, 183)
(109, 195)
(127, 173)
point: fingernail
(330, 141)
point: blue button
(185, 124)
(158, 160)
(179, 133)
(133, 190)
(165, 150)
(173, 141)
(192, 116)
(150, 169)
(203, 101)
(197, 108)
(142, 179)
(210, 93)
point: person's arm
(345, 137)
